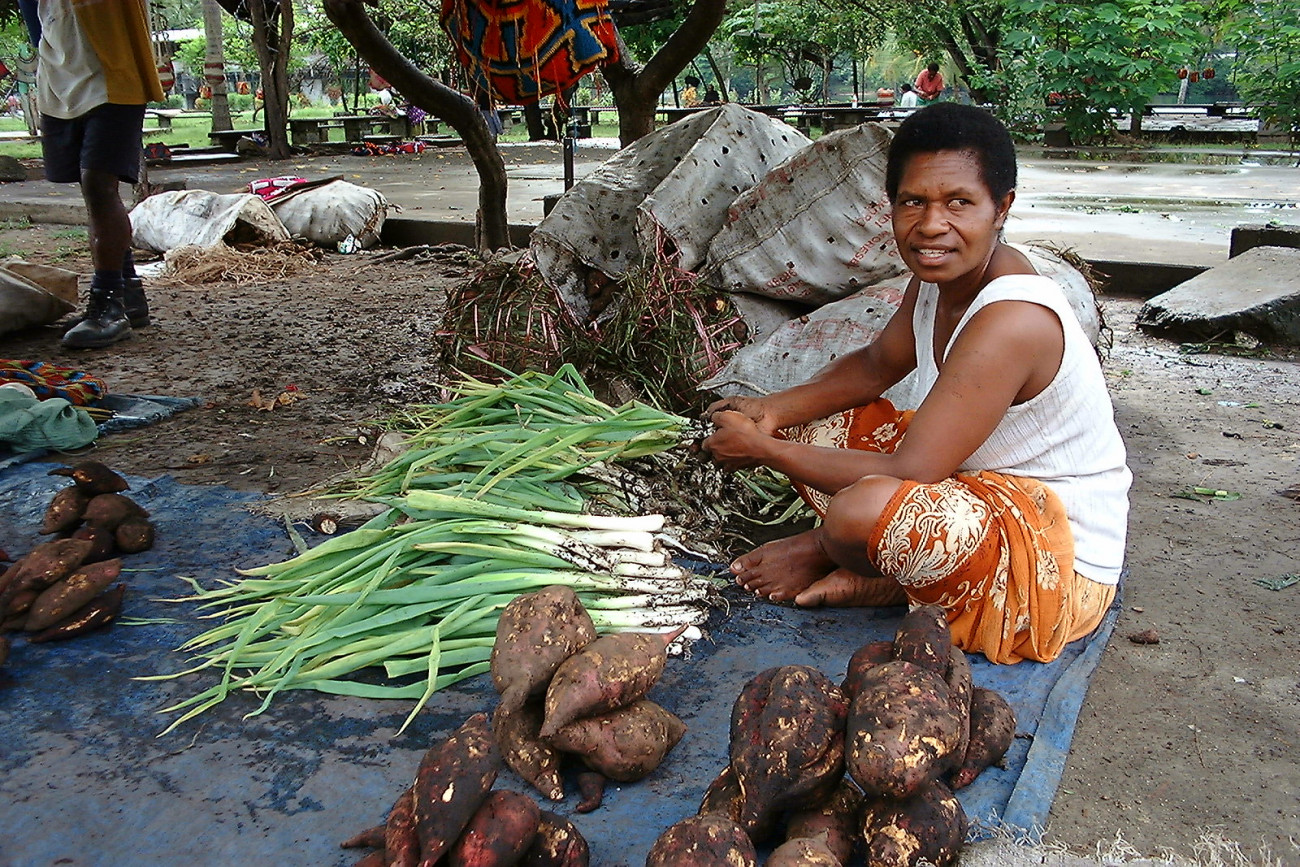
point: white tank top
(1065, 436)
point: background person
(1007, 500)
(95, 72)
(909, 98)
(929, 84)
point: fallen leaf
(1146, 636)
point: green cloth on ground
(27, 424)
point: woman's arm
(852, 380)
(1008, 352)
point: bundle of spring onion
(490, 501)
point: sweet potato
(902, 730)
(787, 739)
(47, 563)
(499, 832)
(835, 817)
(725, 798)
(134, 535)
(64, 511)
(537, 632)
(10, 572)
(101, 540)
(110, 510)
(557, 844)
(624, 744)
(929, 827)
(591, 786)
(959, 683)
(4, 650)
(401, 845)
(611, 672)
(803, 852)
(703, 841)
(865, 658)
(371, 838)
(98, 612)
(924, 639)
(92, 477)
(56, 603)
(453, 779)
(516, 734)
(992, 730)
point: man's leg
(110, 154)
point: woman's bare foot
(845, 589)
(782, 569)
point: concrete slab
(1257, 292)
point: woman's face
(946, 221)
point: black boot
(134, 303)
(105, 322)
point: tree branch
(687, 41)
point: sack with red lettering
(816, 228)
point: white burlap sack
(33, 295)
(327, 214)
(204, 219)
(792, 353)
(678, 180)
(814, 229)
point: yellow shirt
(93, 52)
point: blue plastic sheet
(86, 780)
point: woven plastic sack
(328, 214)
(816, 228)
(205, 219)
(795, 351)
(674, 185)
(33, 295)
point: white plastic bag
(328, 214)
(204, 219)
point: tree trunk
(636, 88)
(214, 66)
(272, 36)
(441, 102)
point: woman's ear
(1004, 207)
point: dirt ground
(1197, 733)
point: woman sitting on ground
(1007, 500)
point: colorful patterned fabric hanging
(522, 50)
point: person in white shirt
(909, 98)
(1004, 497)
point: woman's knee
(854, 512)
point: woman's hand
(753, 408)
(738, 441)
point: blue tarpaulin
(85, 779)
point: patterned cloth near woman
(994, 550)
(48, 380)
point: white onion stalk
(431, 501)
(635, 541)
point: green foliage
(1268, 66)
(1090, 59)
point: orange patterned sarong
(996, 551)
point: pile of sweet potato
(864, 767)
(65, 587)
(565, 691)
(451, 815)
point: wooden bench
(164, 116)
(228, 138)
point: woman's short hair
(932, 68)
(952, 126)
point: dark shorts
(108, 138)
